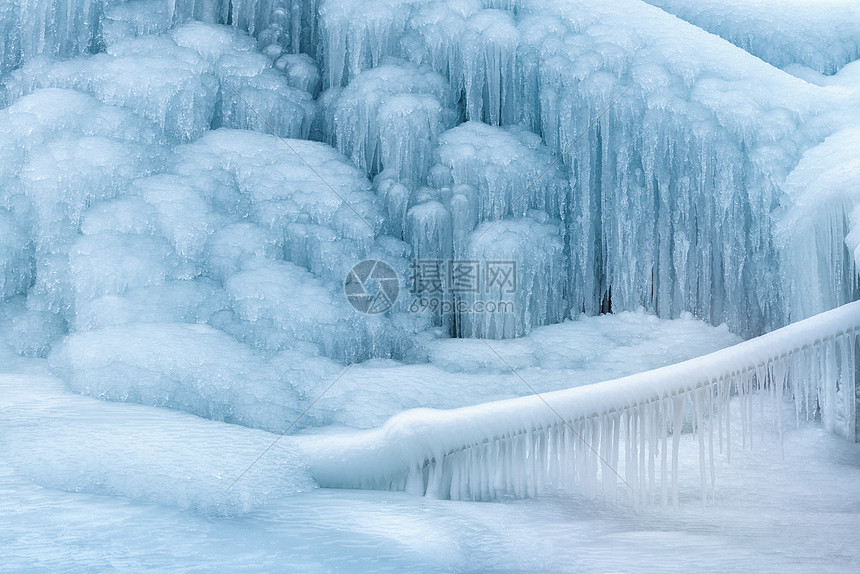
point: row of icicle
(624, 454)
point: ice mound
(184, 216)
(26, 331)
(155, 455)
(184, 301)
(481, 174)
(282, 304)
(301, 72)
(212, 42)
(64, 176)
(322, 214)
(152, 76)
(390, 117)
(184, 81)
(107, 264)
(193, 368)
(45, 114)
(133, 19)
(257, 97)
(511, 170)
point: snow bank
(79, 444)
(193, 368)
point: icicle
(642, 413)
(780, 373)
(664, 475)
(415, 481)
(728, 402)
(698, 406)
(710, 391)
(678, 412)
(798, 386)
(742, 396)
(761, 381)
(654, 411)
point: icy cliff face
(156, 167)
(673, 188)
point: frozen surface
(768, 514)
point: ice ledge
(518, 446)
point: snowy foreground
(768, 514)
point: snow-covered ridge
(518, 447)
(816, 34)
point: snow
(822, 36)
(752, 522)
(81, 445)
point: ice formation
(389, 118)
(159, 189)
(738, 142)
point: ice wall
(673, 187)
(67, 28)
